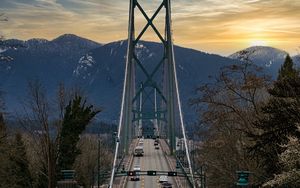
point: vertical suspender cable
(179, 101)
(155, 111)
(141, 114)
(124, 92)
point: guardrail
(184, 172)
(182, 168)
(168, 161)
(129, 162)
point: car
(139, 151)
(135, 174)
(137, 168)
(163, 179)
(141, 144)
(166, 185)
(135, 178)
(156, 147)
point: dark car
(166, 185)
(135, 178)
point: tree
(287, 70)
(19, 167)
(86, 162)
(278, 121)
(3, 132)
(37, 123)
(228, 106)
(4, 151)
(14, 168)
(53, 129)
(290, 160)
(76, 117)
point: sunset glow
(258, 43)
(213, 26)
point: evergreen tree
(76, 117)
(288, 81)
(14, 169)
(287, 69)
(4, 151)
(290, 160)
(2, 129)
(279, 120)
(19, 164)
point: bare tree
(44, 120)
(227, 109)
(86, 164)
(37, 122)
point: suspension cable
(130, 35)
(179, 101)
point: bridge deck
(152, 160)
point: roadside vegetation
(250, 123)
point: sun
(258, 43)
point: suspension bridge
(151, 145)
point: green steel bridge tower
(151, 97)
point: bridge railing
(120, 163)
(184, 174)
(188, 176)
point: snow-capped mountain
(64, 45)
(264, 56)
(49, 61)
(297, 59)
(261, 55)
(99, 69)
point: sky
(214, 26)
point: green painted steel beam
(150, 22)
(149, 81)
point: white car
(137, 168)
(163, 179)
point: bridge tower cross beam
(167, 93)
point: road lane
(152, 160)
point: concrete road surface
(152, 160)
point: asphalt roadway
(153, 159)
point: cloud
(210, 25)
(49, 18)
(215, 24)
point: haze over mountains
(99, 69)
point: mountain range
(99, 69)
